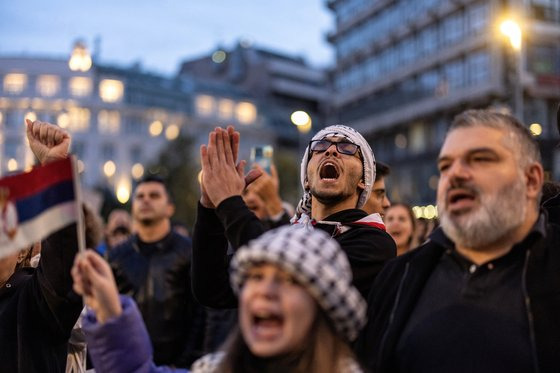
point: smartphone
(263, 156)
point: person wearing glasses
(337, 174)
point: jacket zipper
(527, 300)
(392, 315)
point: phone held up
(263, 156)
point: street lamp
(512, 30)
(302, 121)
(80, 60)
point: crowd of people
(345, 281)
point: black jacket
(366, 247)
(38, 309)
(159, 282)
(400, 284)
(552, 207)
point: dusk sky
(162, 33)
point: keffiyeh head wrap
(317, 263)
(303, 210)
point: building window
(80, 86)
(79, 148)
(246, 113)
(136, 154)
(111, 90)
(78, 119)
(15, 83)
(108, 151)
(11, 147)
(205, 105)
(478, 65)
(225, 109)
(108, 121)
(478, 17)
(452, 29)
(454, 73)
(48, 85)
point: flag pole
(80, 225)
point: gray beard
(497, 216)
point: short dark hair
(381, 170)
(156, 179)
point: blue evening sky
(161, 33)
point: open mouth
(328, 171)
(267, 325)
(459, 196)
(268, 320)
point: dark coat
(159, 282)
(38, 309)
(366, 247)
(400, 284)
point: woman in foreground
(297, 310)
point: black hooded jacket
(367, 248)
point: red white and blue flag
(35, 204)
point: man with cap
(337, 173)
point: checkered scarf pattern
(303, 208)
(317, 263)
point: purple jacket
(122, 344)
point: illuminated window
(225, 109)
(205, 105)
(15, 83)
(111, 90)
(246, 112)
(48, 85)
(78, 119)
(108, 121)
(80, 86)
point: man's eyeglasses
(342, 147)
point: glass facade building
(405, 68)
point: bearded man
(482, 294)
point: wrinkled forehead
(467, 139)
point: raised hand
(47, 141)
(93, 279)
(222, 175)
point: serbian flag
(35, 204)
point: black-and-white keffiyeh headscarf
(303, 209)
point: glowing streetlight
(512, 31)
(109, 168)
(137, 171)
(80, 60)
(536, 129)
(123, 190)
(172, 132)
(156, 128)
(12, 165)
(302, 120)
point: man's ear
(361, 185)
(534, 175)
(170, 209)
